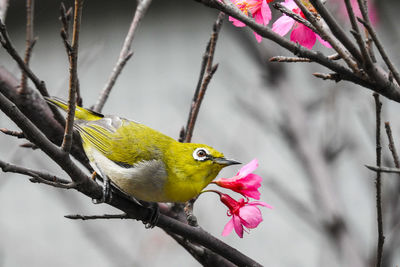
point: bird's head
(199, 163)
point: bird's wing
(120, 140)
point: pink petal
(304, 35)
(289, 4)
(248, 168)
(323, 42)
(265, 12)
(283, 25)
(228, 228)
(237, 224)
(250, 216)
(258, 37)
(236, 22)
(260, 203)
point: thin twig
(289, 59)
(367, 62)
(6, 43)
(37, 176)
(96, 217)
(299, 59)
(330, 76)
(30, 42)
(65, 18)
(383, 169)
(39, 84)
(12, 133)
(206, 73)
(294, 16)
(124, 55)
(29, 145)
(73, 78)
(381, 237)
(381, 49)
(392, 147)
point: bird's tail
(80, 113)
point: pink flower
(300, 33)
(245, 182)
(244, 214)
(259, 9)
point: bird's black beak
(224, 161)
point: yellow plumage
(143, 162)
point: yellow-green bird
(143, 162)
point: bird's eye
(200, 154)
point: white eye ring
(200, 154)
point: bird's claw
(154, 215)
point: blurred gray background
(246, 111)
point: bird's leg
(106, 192)
(191, 219)
(154, 214)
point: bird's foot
(106, 198)
(154, 214)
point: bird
(142, 162)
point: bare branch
(294, 16)
(392, 147)
(73, 78)
(390, 90)
(206, 73)
(289, 59)
(39, 84)
(96, 217)
(381, 49)
(12, 133)
(383, 169)
(29, 145)
(124, 55)
(299, 59)
(30, 42)
(37, 176)
(381, 237)
(6, 43)
(367, 62)
(344, 54)
(330, 76)
(336, 29)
